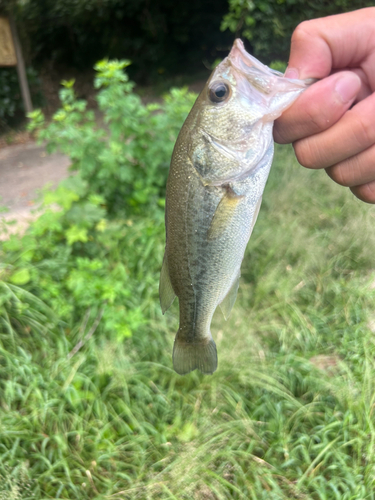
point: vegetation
(163, 38)
(79, 255)
(90, 407)
(268, 24)
(160, 37)
(11, 105)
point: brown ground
(24, 170)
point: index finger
(334, 42)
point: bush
(96, 252)
(126, 160)
(161, 37)
(269, 24)
(82, 264)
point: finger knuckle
(280, 133)
(302, 32)
(364, 131)
(340, 175)
(366, 192)
(305, 153)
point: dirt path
(24, 170)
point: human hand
(326, 130)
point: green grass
(288, 415)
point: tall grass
(288, 414)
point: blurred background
(90, 407)
(168, 44)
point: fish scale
(219, 168)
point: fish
(219, 168)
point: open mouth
(261, 77)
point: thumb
(318, 108)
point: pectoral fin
(228, 302)
(224, 213)
(166, 293)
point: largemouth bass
(219, 168)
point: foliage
(288, 414)
(78, 262)
(14, 485)
(126, 161)
(160, 37)
(76, 256)
(269, 24)
(90, 407)
(11, 105)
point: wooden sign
(7, 51)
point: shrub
(160, 36)
(96, 251)
(126, 160)
(269, 24)
(82, 264)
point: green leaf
(20, 277)
(76, 233)
(188, 432)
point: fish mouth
(261, 77)
(243, 61)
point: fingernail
(347, 87)
(292, 73)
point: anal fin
(166, 293)
(227, 304)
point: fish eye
(219, 92)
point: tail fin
(188, 356)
